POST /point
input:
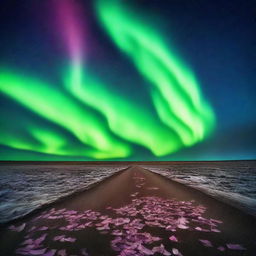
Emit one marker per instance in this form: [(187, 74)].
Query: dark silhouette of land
[(130, 163)]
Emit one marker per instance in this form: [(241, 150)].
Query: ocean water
[(25, 188), (231, 182)]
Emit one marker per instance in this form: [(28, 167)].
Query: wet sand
[(135, 212)]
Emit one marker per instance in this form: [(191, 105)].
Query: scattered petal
[(235, 247), (206, 243), (84, 252), (173, 238), (50, 253), (144, 250), (62, 252), (221, 248), (175, 251), (18, 228), (37, 252)]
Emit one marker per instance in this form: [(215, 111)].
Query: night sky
[(127, 80)]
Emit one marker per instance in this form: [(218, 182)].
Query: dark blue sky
[(216, 39)]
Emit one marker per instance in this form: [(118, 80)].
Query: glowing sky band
[(126, 119), (176, 93), (184, 117), (61, 109)]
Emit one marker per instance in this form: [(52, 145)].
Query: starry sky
[(127, 80)]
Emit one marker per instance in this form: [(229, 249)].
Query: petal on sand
[(173, 238), (67, 239), (176, 252), (235, 247), (217, 221), (39, 240), (42, 228), (37, 252), (50, 253), (144, 250), (181, 226), (215, 230), (206, 243), (62, 252), (56, 238), (221, 248), (18, 228), (28, 241), (161, 250), (70, 239), (84, 252)]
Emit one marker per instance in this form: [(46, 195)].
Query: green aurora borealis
[(184, 117)]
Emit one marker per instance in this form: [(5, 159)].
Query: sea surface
[(23, 188), (233, 182)]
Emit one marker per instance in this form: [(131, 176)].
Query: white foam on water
[(25, 188), (232, 183)]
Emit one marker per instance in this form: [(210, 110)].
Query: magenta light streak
[(71, 28)]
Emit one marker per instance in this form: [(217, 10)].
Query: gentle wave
[(232, 183), (26, 188)]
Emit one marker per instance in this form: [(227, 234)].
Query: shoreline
[(59, 200), (224, 200), (111, 163)]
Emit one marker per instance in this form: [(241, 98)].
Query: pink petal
[(39, 240), (144, 250), (70, 239), (235, 247), (56, 238), (221, 248), (117, 233), (181, 226), (84, 252), (175, 251), (50, 253), (161, 250), (31, 229), (62, 252), (173, 238), (28, 241), (37, 252), (215, 230), (217, 221), (22, 251), (42, 228), (71, 212), (18, 228), (206, 243)]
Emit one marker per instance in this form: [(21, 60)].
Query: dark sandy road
[(135, 212)]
